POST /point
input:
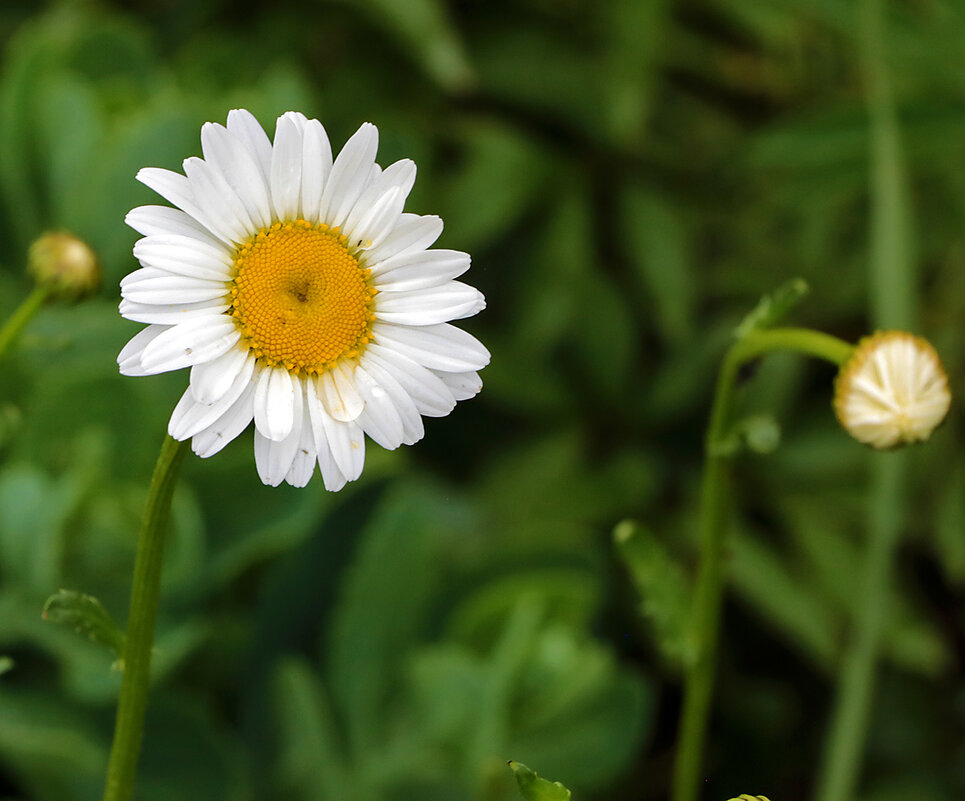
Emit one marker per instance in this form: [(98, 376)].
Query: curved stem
[(132, 703), (21, 317), (708, 593)]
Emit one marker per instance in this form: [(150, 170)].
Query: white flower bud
[(892, 391)]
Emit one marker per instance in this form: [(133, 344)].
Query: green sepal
[(772, 308), (85, 615), (533, 788), (663, 588)]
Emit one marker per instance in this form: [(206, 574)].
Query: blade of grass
[(892, 285)]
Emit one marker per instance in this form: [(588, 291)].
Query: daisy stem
[(21, 317), (708, 593), (129, 724)]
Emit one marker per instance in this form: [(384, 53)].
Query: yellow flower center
[(301, 298)]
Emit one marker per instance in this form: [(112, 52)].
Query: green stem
[(129, 725), (849, 720), (21, 317), (705, 616), (892, 283)]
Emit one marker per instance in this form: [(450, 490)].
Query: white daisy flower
[(301, 296), (892, 391)]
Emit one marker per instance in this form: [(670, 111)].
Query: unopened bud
[(64, 264), (892, 391)]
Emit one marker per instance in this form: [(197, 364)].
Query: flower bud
[(892, 391), (63, 264)]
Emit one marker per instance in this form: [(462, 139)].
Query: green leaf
[(33, 508), (533, 788), (663, 589), (52, 749), (660, 252), (951, 524), (86, 615), (501, 165), (791, 603), (579, 713), (773, 307), (637, 38), (6, 664), (381, 608), (426, 30), (311, 764)]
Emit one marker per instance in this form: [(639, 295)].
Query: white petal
[(377, 211), (159, 287), (298, 118), (462, 385), (413, 428), (176, 188), (274, 402), (243, 125), (286, 169), (235, 420), (170, 314), (451, 301), (163, 221), (129, 359), (306, 456), (184, 255), (419, 270), (430, 395), (210, 381), (379, 419), (350, 174), (347, 443), (219, 200), (438, 347), (377, 220), (238, 167), (316, 167), (332, 475), (193, 341), (338, 394), (191, 417), (274, 458), (411, 233)]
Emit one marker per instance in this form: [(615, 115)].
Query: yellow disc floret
[(301, 297)]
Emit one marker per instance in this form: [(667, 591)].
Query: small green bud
[(64, 264)]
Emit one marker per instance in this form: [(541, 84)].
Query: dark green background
[(629, 176)]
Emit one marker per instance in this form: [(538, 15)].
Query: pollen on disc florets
[(301, 297)]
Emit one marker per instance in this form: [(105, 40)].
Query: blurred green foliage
[(629, 177)]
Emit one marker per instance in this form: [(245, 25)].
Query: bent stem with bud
[(136, 659), (63, 267), (705, 616), (891, 390)]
